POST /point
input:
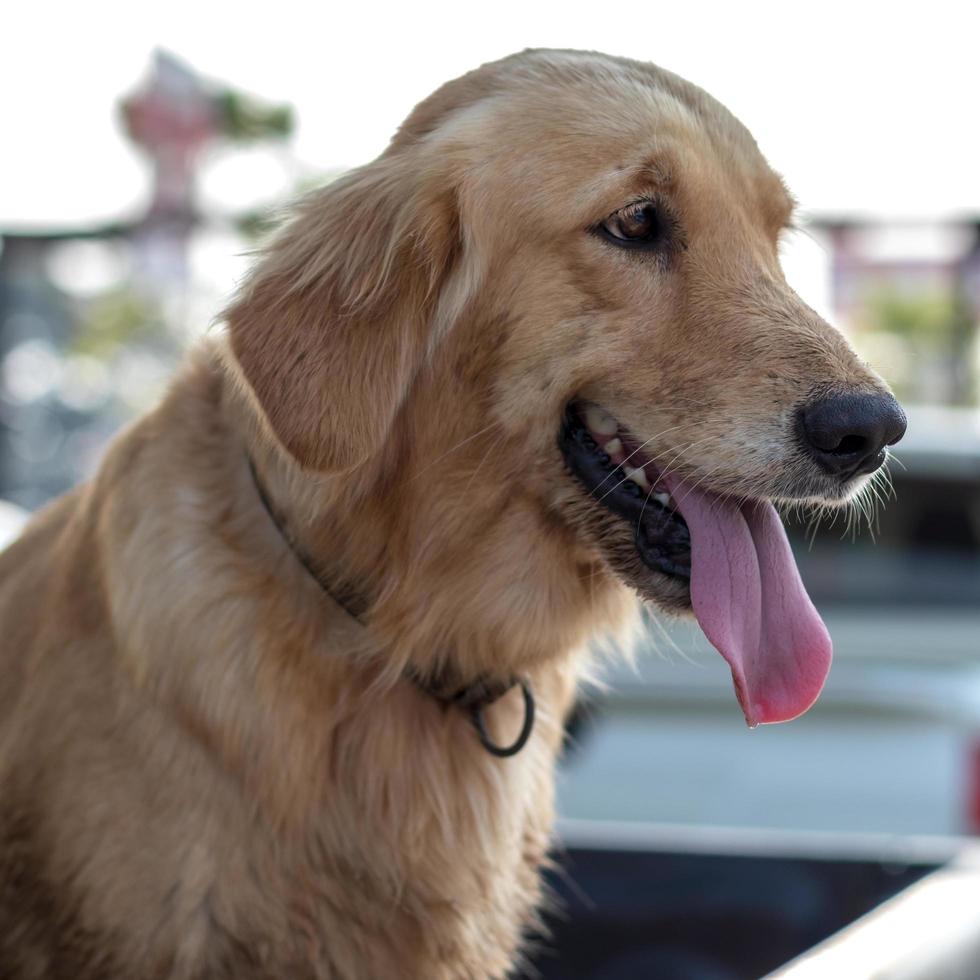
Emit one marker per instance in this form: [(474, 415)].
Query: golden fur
[(206, 768)]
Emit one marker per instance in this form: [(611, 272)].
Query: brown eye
[(637, 225)]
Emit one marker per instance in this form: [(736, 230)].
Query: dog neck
[(353, 604), (440, 542), (473, 697)]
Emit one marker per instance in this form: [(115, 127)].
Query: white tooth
[(663, 499), (600, 422), (638, 476), (613, 447)]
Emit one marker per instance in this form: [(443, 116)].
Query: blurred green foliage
[(244, 118), (926, 318), (116, 319), (935, 326)]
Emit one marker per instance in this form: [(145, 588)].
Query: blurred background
[(144, 155)]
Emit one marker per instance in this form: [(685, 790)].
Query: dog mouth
[(609, 462), (682, 546)]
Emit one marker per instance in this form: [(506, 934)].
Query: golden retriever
[(259, 674)]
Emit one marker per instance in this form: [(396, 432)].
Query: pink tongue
[(750, 602)]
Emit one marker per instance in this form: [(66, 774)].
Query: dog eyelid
[(630, 206), (652, 238)]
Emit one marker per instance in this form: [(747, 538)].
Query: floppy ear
[(332, 324)]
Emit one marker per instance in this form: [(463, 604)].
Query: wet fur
[(206, 770)]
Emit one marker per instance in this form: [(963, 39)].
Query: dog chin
[(833, 495), (664, 593)]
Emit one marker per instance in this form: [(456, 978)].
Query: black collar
[(473, 698)]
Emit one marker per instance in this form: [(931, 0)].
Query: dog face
[(641, 226), (583, 253)]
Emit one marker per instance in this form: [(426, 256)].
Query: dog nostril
[(846, 434), (850, 444)]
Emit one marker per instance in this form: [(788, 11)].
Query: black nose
[(847, 434)]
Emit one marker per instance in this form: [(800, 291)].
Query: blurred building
[(909, 294), (92, 320)]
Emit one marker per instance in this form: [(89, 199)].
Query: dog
[(285, 683)]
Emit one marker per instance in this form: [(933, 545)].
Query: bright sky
[(860, 105)]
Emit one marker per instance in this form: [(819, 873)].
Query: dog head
[(569, 263)]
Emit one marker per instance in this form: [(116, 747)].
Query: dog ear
[(333, 322)]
